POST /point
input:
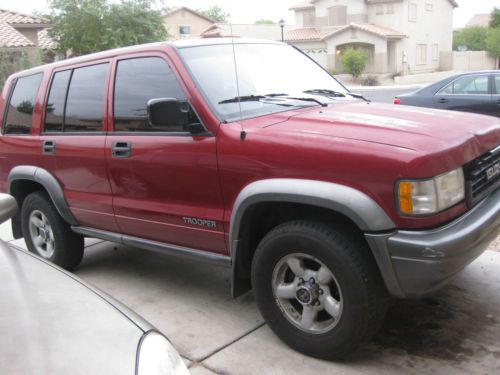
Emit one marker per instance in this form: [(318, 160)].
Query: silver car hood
[(52, 323)]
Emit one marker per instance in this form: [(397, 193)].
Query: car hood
[(419, 129), (52, 323)]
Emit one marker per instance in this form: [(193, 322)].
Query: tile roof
[(17, 18), (479, 20), (10, 37), (312, 33), (307, 4), (45, 41)]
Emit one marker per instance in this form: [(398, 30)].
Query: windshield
[(267, 74)]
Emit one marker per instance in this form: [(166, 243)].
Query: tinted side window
[(497, 83), (84, 106), (137, 81), (54, 111), (21, 105)]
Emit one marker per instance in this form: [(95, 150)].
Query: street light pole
[(282, 25)]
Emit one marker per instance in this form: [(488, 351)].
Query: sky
[(248, 11)]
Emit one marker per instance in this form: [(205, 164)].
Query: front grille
[(482, 176)]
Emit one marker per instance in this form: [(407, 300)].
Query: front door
[(164, 180), (470, 93)]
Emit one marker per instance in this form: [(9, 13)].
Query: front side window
[(85, 102), (22, 102), (137, 81), (469, 85)]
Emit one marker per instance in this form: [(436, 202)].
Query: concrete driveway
[(455, 331)]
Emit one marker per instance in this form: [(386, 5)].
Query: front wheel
[(47, 234), (318, 288)]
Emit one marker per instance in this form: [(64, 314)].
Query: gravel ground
[(495, 245)]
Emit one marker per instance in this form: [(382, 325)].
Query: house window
[(428, 6), (379, 9), (435, 52), (412, 12), (184, 31), (421, 54), (389, 9)]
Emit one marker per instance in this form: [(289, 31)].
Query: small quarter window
[(22, 102)]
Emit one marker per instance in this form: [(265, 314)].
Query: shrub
[(370, 81), (354, 61)]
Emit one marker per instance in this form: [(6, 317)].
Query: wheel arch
[(25, 179), (344, 204)]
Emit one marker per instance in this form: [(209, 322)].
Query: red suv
[(252, 156)]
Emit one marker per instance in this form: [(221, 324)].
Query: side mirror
[(8, 207), (168, 112)]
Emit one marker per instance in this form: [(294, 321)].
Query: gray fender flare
[(49, 182), (356, 205)]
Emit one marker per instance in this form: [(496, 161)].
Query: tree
[(215, 13), (265, 22), (354, 61), (493, 43), (85, 26), (472, 38), (495, 18)]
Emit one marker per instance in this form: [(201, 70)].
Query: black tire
[(363, 293), (68, 246)]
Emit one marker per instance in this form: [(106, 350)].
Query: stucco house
[(401, 36), (184, 22)]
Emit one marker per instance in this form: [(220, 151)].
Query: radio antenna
[(242, 132)]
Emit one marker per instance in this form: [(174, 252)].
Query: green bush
[(472, 38), (370, 81), (354, 61)]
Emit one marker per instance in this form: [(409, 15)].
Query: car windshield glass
[(262, 69)]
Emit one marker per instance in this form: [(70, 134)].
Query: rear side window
[(497, 83), (76, 100), (85, 103), (22, 102), (54, 112), (137, 81)]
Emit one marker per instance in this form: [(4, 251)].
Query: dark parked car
[(477, 92), (54, 323)]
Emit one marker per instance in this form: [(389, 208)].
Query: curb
[(387, 87)]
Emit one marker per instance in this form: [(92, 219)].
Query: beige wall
[(31, 34), (472, 60), (197, 24)]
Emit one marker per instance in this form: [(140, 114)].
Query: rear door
[(164, 179), (471, 93), (495, 98), (74, 133)]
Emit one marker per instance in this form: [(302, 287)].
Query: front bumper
[(416, 263)]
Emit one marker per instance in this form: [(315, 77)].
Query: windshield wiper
[(335, 94), (274, 97), (249, 98)]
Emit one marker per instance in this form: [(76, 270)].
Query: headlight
[(157, 356), (425, 197)]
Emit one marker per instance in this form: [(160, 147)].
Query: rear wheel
[(47, 234), (318, 289)]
